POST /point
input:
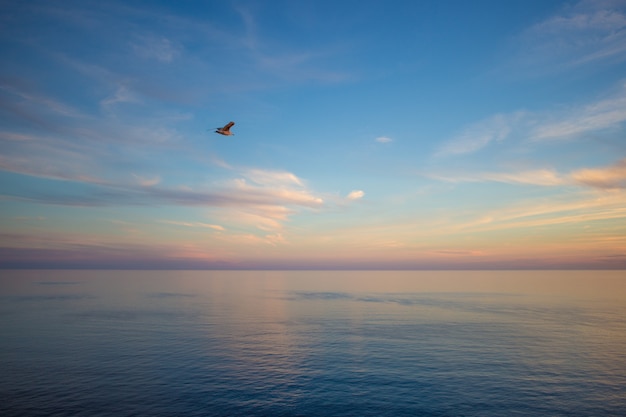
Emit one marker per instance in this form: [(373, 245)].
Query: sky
[(368, 134)]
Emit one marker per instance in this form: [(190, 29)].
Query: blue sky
[(369, 134)]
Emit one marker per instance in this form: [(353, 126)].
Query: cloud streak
[(576, 121), (572, 122), (261, 198), (194, 225), (589, 32), (104, 193), (535, 214), (542, 177), (606, 178)]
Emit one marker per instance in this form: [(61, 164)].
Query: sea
[(312, 343)]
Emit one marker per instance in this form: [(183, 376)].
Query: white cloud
[(265, 199), (270, 193), (355, 195), (383, 139)]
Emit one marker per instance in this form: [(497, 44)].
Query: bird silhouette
[(225, 130)]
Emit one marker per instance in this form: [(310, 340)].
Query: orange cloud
[(611, 177)]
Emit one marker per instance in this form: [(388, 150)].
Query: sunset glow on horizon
[(368, 135)]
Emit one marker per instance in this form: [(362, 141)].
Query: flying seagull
[(225, 130)]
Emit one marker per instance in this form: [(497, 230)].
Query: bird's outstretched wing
[(225, 130)]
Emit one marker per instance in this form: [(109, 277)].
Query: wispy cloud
[(147, 182), (263, 217), (194, 225), (281, 62), (266, 210), (121, 95), (384, 139), (609, 177), (543, 177), (589, 32), (19, 95), (478, 135), (54, 123), (265, 201), (578, 120), (154, 47), (564, 123), (586, 208), (259, 194)]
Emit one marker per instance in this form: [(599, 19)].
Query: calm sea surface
[(323, 343)]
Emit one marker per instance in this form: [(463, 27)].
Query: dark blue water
[(171, 343)]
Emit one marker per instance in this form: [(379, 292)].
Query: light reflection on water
[(312, 343)]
